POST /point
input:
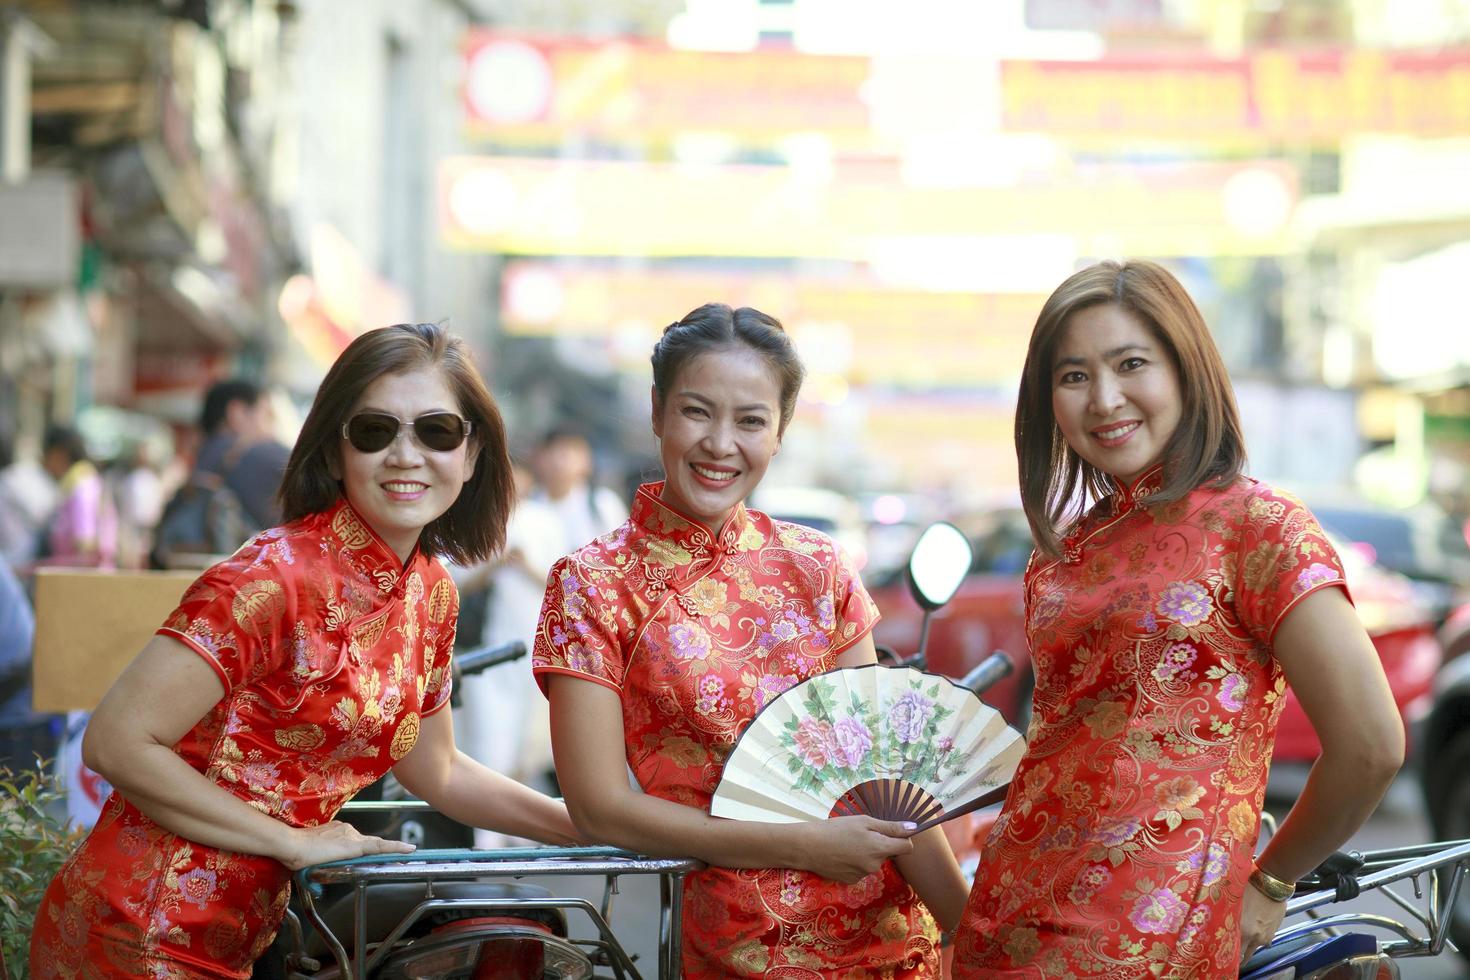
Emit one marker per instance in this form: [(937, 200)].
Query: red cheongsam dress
[(330, 651), (1127, 836), (695, 630)]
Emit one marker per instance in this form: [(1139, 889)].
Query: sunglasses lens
[(370, 433), (440, 431)]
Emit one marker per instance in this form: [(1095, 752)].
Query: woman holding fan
[(661, 640)]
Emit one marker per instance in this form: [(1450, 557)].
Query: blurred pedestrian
[(83, 528), (502, 718), (231, 492), (137, 487), (563, 465), (659, 643), (293, 674), (28, 497), (1165, 623), (26, 735)]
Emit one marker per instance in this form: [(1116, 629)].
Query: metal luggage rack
[(431, 866), (1439, 865)]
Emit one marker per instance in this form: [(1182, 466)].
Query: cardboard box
[(90, 624)]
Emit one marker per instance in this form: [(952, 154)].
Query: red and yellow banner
[(551, 93), (580, 207), (1271, 95), (544, 92)]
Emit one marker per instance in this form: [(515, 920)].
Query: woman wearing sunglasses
[(294, 673)]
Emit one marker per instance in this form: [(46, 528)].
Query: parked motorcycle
[(446, 911), (1350, 945)]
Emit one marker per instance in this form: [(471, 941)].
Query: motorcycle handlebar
[(989, 671), (483, 658)]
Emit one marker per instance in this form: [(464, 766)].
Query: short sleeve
[(235, 616), (439, 671), (576, 633), (1283, 557), (853, 611)]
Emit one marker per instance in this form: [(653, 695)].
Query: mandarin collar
[(369, 551), (1121, 502), (1136, 494), (657, 517)]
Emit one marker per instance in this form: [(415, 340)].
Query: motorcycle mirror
[(938, 564)]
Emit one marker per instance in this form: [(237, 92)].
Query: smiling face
[(718, 429), (400, 489), (1115, 391)]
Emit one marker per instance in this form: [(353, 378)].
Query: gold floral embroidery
[(750, 958), (667, 554), (706, 598), (1261, 565), (750, 539)]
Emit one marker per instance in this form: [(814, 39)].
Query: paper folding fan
[(895, 743)]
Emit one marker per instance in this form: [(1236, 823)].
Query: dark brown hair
[(473, 528), (715, 326), (1057, 485)]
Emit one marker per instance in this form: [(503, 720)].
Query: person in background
[(1169, 603), (503, 719), (238, 424), (26, 735), (83, 529), (659, 643), (231, 492), (292, 674), (27, 501), (563, 468), (138, 491)]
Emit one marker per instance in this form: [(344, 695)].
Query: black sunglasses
[(371, 432)]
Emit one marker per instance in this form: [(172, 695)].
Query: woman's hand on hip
[(334, 841), (1260, 917), (848, 849)]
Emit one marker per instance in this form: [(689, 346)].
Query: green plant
[(34, 842)]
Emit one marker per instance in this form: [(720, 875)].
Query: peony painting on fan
[(895, 743)]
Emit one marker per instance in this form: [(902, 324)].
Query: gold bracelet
[(1269, 885)]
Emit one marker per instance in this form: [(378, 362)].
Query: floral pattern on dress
[(330, 651), (696, 629), (1124, 844)]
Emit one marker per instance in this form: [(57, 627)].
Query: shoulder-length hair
[(1057, 485), (473, 528)]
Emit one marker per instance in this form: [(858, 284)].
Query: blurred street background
[(200, 190)]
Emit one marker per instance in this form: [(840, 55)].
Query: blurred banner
[(542, 92), (859, 213), (1267, 96), (849, 326)]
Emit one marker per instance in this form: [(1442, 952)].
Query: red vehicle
[(986, 614)]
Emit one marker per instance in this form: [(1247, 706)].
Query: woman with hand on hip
[(294, 673), (661, 640), (1165, 622)]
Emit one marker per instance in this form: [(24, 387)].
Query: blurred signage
[(1268, 95), (40, 235), (549, 93), (542, 92), (569, 207), (1091, 15), (849, 326)]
